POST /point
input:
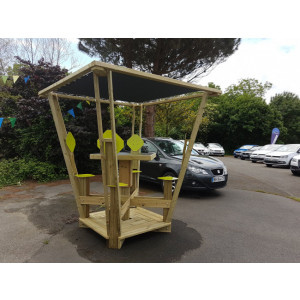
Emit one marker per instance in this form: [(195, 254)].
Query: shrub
[(13, 171)]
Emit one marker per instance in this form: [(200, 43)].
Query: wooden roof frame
[(102, 69)]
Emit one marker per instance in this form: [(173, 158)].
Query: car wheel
[(268, 165), (242, 158), (253, 161), (295, 173), (234, 156), (173, 181)]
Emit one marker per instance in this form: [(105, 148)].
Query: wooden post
[(115, 197), (100, 134), (133, 120), (187, 155), (141, 121), (69, 160), (84, 190)]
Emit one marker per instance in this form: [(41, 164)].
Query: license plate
[(218, 179)]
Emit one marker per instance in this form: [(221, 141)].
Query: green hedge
[(14, 171)]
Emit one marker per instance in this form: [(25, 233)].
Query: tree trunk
[(149, 121)]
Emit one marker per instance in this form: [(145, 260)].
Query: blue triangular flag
[(26, 79), (71, 112), (1, 120)]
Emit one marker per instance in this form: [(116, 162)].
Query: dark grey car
[(203, 172)]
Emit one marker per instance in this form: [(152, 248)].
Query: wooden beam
[(80, 98), (187, 155), (133, 120), (115, 199), (141, 121), (71, 167), (150, 202), (55, 86), (92, 199), (100, 135), (174, 99)]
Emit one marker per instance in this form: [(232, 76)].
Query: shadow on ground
[(59, 216), (151, 247)]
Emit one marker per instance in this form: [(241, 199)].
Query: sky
[(266, 59)]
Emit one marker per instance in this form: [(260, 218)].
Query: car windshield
[(214, 145), (199, 145), (289, 148), (172, 147), (246, 147), (271, 147), (256, 148)]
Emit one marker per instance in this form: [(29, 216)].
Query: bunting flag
[(1, 120), (79, 105), (12, 121), (71, 112), (26, 78), (15, 78), (88, 102), (4, 78)]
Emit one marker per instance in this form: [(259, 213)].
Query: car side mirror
[(157, 156)]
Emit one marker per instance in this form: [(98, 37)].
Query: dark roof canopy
[(128, 85)]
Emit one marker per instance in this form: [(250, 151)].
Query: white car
[(282, 156), (201, 149), (259, 155), (295, 165), (215, 149)]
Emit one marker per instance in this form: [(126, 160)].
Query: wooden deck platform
[(141, 221)]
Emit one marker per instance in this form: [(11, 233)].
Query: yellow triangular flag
[(15, 78)]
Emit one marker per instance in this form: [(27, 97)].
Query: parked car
[(200, 148), (259, 155), (282, 156), (237, 152), (295, 165), (202, 172), (215, 149), (246, 154)]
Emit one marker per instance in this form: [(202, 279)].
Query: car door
[(151, 169)]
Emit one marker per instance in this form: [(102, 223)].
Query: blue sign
[(275, 135)]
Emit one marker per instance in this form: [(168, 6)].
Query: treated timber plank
[(93, 200), (142, 227), (186, 159), (115, 196), (150, 202), (68, 155), (128, 156), (149, 214), (96, 225), (100, 134)]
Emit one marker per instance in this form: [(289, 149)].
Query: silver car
[(259, 155), (295, 165), (215, 149), (282, 156)]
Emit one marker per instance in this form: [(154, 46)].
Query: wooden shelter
[(126, 212)]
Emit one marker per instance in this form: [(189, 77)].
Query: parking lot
[(252, 219)]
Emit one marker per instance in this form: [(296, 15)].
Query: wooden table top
[(128, 156)]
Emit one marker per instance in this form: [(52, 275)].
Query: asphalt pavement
[(252, 219)]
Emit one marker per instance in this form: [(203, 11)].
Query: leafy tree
[(241, 116), (175, 58), (288, 105)]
